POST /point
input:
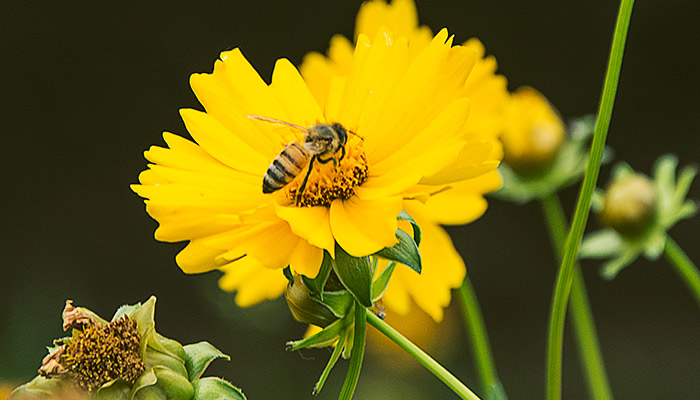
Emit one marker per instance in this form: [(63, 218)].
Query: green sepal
[(338, 303), (406, 252), (126, 309), (174, 384), (380, 284), (145, 387), (145, 317), (317, 284), (161, 382), (404, 216), (287, 272), (215, 389), (655, 244), (198, 356), (41, 388), (156, 354), (325, 338), (349, 341), (117, 389), (601, 244), (610, 269), (331, 363), (355, 273)]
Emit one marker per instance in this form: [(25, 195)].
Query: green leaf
[(317, 284), (324, 338), (406, 252), (331, 363), (216, 389), (198, 356), (355, 274), (380, 284), (403, 216)]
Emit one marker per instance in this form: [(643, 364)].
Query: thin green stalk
[(428, 362), (474, 323), (565, 276), (358, 353), (685, 268), (581, 315)]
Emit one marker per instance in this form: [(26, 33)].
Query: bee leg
[(300, 192), (342, 154)]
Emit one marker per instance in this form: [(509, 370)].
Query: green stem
[(685, 268), (565, 276), (358, 353), (581, 315), (474, 323), (431, 365)]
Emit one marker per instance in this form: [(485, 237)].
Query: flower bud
[(304, 307), (630, 205), (533, 133)]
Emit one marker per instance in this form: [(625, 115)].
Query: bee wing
[(275, 121)]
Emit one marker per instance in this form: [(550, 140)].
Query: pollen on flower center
[(101, 353), (328, 181)]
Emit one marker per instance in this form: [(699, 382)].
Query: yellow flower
[(534, 132), (464, 202), (405, 108)]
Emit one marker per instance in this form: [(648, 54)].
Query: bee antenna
[(275, 121), (354, 133)]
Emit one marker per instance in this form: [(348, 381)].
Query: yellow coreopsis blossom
[(405, 109), (464, 201)]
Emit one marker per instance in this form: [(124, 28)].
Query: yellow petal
[(197, 257), (253, 282), (310, 223), (464, 201), (364, 227), (306, 259), (223, 144), (294, 95), (257, 241)]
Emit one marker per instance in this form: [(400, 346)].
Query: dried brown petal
[(73, 318), (51, 366)]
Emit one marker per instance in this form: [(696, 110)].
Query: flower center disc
[(328, 182)]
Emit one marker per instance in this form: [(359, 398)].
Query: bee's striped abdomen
[(286, 166)]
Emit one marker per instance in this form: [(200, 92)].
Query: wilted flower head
[(124, 359)]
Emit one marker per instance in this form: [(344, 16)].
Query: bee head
[(342, 134)]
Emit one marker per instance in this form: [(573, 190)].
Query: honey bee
[(321, 143)]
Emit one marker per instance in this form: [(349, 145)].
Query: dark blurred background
[(86, 86)]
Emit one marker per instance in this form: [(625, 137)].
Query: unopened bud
[(304, 307), (533, 134), (630, 205)]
